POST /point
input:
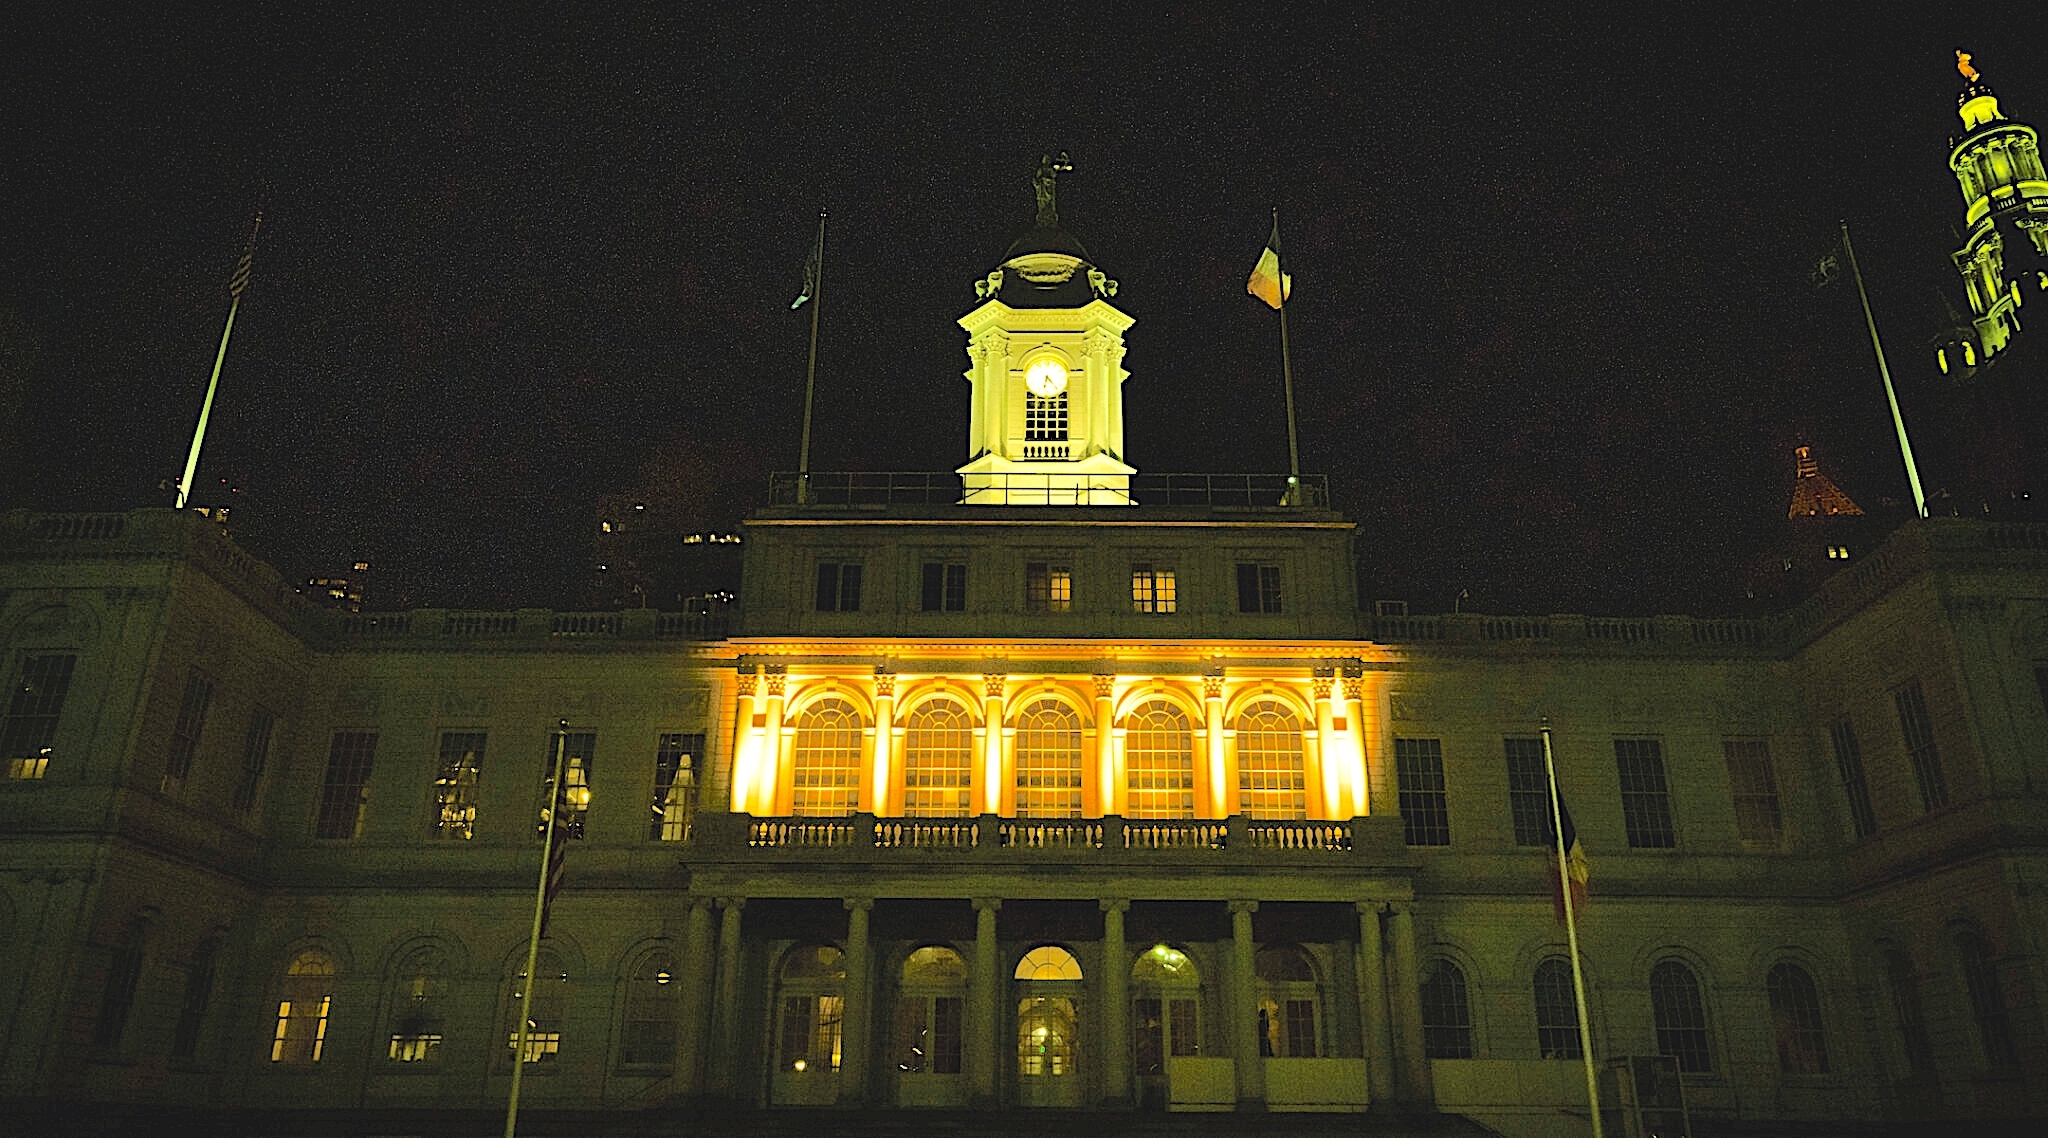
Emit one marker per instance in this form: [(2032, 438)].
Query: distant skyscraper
[(341, 589)]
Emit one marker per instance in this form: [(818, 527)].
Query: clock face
[(1046, 378)]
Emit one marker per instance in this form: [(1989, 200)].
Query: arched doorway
[(809, 1006), (1048, 1028), (1166, 1019), (926, 1044)]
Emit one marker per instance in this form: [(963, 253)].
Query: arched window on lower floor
[(1166, 1005), (544, 1016), (303, 1003), (647, 1036), (813, 980), (1795, 1020), (1987, 999), (1287, 1003), (419, 990), (1557, 1011), (931, 998), (938, 758), (1048, 1012), (1048, 761), (1681, 1016), (1908, 1013), (1446, 1011), (825, 761), (1270, 783)]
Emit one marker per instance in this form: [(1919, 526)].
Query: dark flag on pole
[(810, 288), (240, 280), (1577, 869), (1828, 269), (1268, 282), (564, 809)]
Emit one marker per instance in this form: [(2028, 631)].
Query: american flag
[(240, 280)]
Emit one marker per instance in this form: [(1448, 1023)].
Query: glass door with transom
[(1165, 1020), (931, 995), (809, 1005), (1048, 1028)]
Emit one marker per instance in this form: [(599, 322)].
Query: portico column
[(726, 1079), (880, 795), (1354, 715), (1108, 787), (1372, 1005), (1410, 1053), (1323, 776), (992, 744), (984, 987), (695, 997), (777, 794), (748, 754), (1243, 1004), (856, 1034), (1221, 799), (1116, 1006)]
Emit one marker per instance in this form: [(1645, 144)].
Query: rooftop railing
[(990, 836), (946, 488)]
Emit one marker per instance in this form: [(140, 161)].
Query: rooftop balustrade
[(864, 837), (867, 489)]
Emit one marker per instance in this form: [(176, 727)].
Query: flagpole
[(1287, 374), (803, 462), (235, 287), (1571, 932), (540, 901), (1891, 397)]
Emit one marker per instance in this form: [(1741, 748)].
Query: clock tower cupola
[(1045, 346)]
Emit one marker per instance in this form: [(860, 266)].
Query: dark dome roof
[(1048, 241)]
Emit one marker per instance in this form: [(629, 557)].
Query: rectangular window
[(839, 586), (255, 756), (1152, 588), (577, 749), (345, 792), (31, 725), (1419, 770), (945, 586), (1048, 587), (1849, 767), (1258, 587), (1045, 419), (1758, 818), (1528, 792), (185, 732), (1919, 736), (675, 786), (124, 972), (455, 790), (192, 1009), (1645, 796)]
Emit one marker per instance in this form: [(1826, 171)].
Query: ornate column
[(1405, 997), (777, 793), (1322, 774), (1360, 797), (1244, 1009), (1116, 1006), (992, 744), (1108, 787), (1378, 1045), (880, 795), (857, 1032), (1221, 799), (984, 987), (724, 1078), (695, 997), (748, 743)]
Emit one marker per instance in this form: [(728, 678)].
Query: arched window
[(1047, 1021), (1908, 1013), (1987, 999), (1557, 1011), (1159, 761), (544, 1017), (419, 989), (1165, 1009), (813, 978), (648, 1032), (1446, 1012), (302, 1007), (938, 754), (1287, 1003), (1270, 783), (1048, 761), (931, 998), (1795, 1020), (1048, 962), (117, 997), (1681, 1016), (827, 759)]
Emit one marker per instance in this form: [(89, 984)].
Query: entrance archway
[(1048, 1028), (927, 1046), (1166, 1024), (809, 1007)]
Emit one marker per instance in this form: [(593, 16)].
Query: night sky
[(1554, 336)]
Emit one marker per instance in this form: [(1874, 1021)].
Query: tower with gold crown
[(1997, 164), (1046, 347)]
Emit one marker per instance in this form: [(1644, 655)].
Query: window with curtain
[(304, 1002), (1795, 1020), (544, 1018), (418, 998), (1288, 999)]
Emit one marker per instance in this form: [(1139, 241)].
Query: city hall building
[(1048, 783)]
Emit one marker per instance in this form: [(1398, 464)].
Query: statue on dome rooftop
[(1049, 171)]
